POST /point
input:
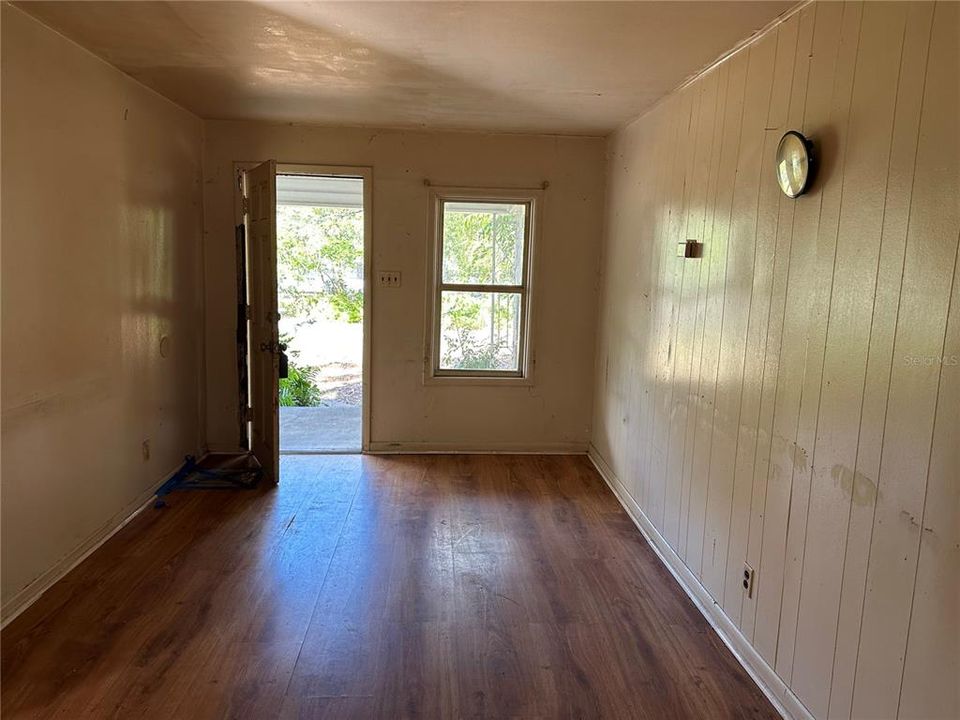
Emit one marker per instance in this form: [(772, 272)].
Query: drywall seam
[(777, 692), (27, 596)]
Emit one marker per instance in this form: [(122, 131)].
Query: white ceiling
[(564, 67)]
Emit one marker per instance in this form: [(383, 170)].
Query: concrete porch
[(335, 427)]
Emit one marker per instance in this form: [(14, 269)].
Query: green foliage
[(319, 250), (347, 304), (482, 243), (478, 332), (299, 388)]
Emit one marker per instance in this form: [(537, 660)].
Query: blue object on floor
[(215, 471)]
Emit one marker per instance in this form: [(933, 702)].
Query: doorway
[(322, 232)]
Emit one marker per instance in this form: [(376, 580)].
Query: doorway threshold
[(335, 451)]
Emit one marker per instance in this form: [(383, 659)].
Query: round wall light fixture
[(795, 164)]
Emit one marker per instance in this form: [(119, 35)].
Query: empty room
[(447, 360)]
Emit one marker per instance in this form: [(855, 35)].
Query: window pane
[(480, 331), (483, 242)]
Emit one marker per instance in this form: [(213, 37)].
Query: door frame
[(365, 173)]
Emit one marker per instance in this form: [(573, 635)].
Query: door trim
[(365, 172)]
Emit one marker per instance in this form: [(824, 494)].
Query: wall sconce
[(795, 164)]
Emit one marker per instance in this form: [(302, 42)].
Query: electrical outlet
[(145, 449), (748, 577), (389, 278)]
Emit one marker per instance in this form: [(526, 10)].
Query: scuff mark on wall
[(862, 489)]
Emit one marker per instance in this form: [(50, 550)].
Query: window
[(481, 284)]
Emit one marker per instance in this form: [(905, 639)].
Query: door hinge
[(248, 413), (246, 311), (245, 205)]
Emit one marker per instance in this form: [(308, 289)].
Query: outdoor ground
[(328, 428), (335, 349)]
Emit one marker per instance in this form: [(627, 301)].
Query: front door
[(260, 216)]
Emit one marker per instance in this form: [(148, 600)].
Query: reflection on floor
[(377, 587), (328, 428)]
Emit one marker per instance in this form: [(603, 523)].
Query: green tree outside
[(319, 251), (482, 244)]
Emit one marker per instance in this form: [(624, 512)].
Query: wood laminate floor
[(377, 587)]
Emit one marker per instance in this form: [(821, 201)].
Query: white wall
[(101, 259), (552, 414), (792, 399)]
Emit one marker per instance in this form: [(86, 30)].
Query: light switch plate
[(389, 278)]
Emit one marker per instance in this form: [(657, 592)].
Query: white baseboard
[(32, 592), (782, 698), (426, 448)]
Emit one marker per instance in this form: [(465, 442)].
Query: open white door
[(260, 216)]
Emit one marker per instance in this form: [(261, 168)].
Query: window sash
[(522, 290), (512, 290)]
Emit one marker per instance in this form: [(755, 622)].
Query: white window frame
[(433, 373)]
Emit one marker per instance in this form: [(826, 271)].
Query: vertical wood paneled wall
[(791, 400)]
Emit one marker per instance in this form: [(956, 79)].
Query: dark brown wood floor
[(364, 587)]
